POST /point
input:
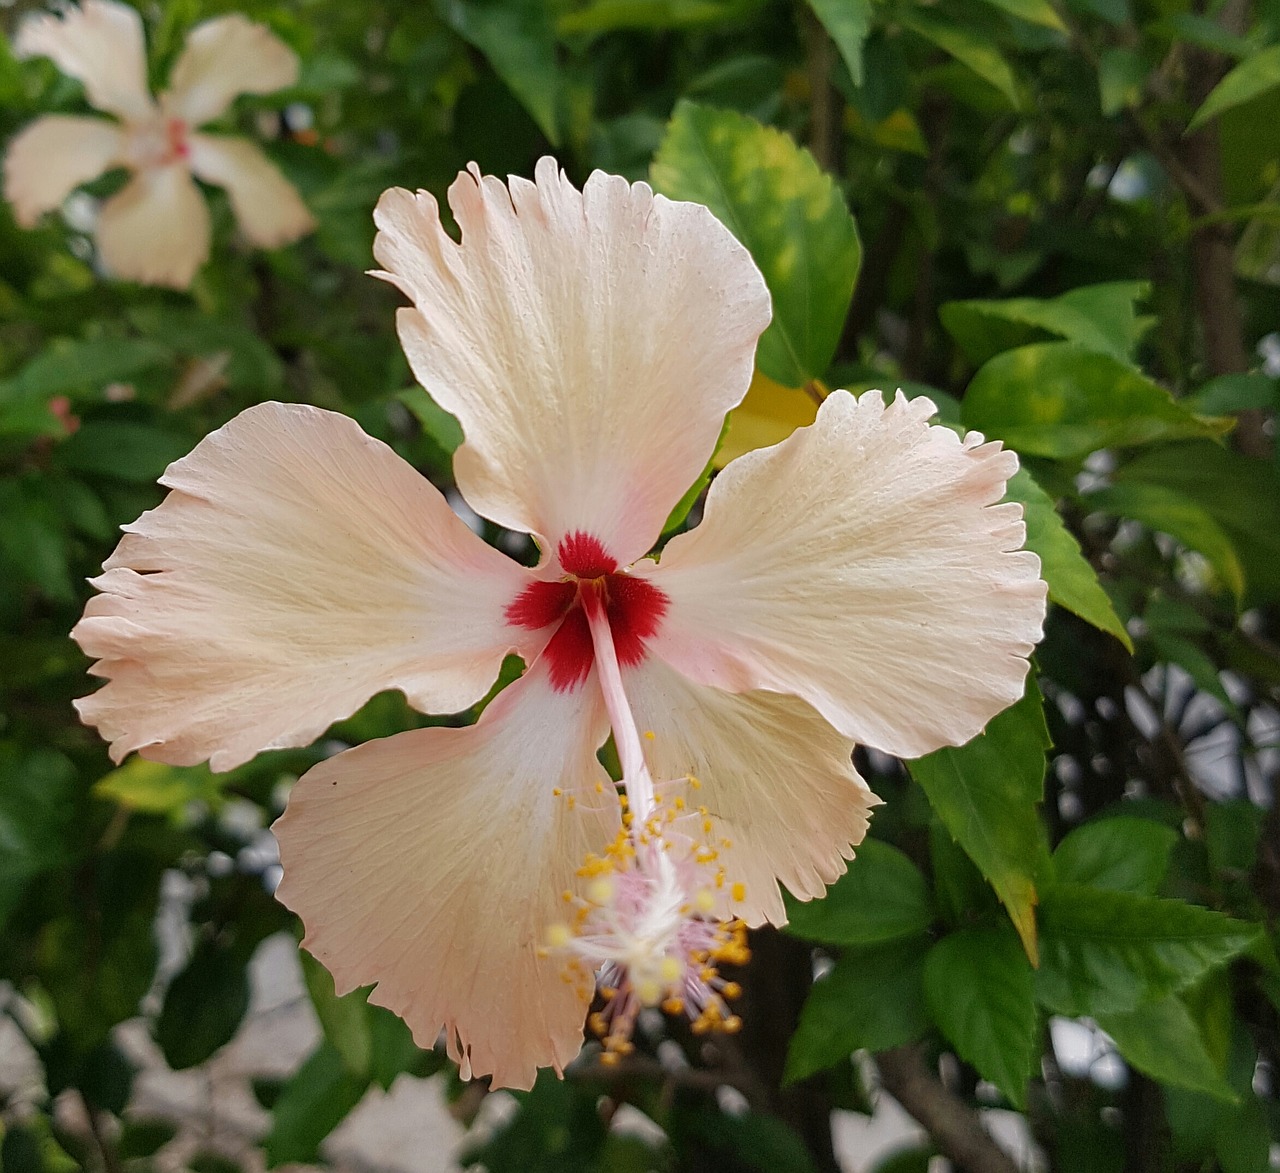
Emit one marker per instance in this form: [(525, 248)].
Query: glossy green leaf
[(518, 39), (1060, 400), (1241, 495), (1039, 12), (1254, 76), (1101, 318), (604, 16), (872, 998), (1104, 952), (847, 23), (1073, 583), (1121, 854), (203, 1006), (882, 897), (985, 793), (158, 789), (1169, 512), (977, 983), (1229, 393), (312, 1103), (775, 199), (442, 427), (967, 45), (1162, 1040), (74, 367)]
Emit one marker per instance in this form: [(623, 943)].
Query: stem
[(955, 1127), (636, 779)]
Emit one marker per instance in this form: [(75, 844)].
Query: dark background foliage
[(1066, 233)]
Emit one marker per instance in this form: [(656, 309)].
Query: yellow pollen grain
[(558, 936), (600, 890), (731, 990), (738, 891), (556, 792), (649, 734), (648, 991), (705, 901), (670, 970), (674, 1006)]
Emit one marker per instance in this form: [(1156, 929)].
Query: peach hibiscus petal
[(267, 206), (223, 58), (155, 230), (52, 157), (865, 565), (296, 568), (433, 862), (589, 342), (776, 778), (101, 44)]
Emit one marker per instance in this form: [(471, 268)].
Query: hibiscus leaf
[(1061, 400), (1110, 952), (872, 998), (978, 985), (1252, 77), (518, 39), (313, 1102), (985, 792), (1163, 1040), (882, 897), (1073, 584), (847, 23), (1121, 854), (772, 195)]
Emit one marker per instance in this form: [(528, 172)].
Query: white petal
[(432, 863), (268, 208), (223, 58), (155, 230), (101, 45), (297, 567), (589, 342), (777, 779), (864, 565), (52, 157)]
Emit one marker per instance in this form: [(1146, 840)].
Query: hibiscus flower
[(858, 583), (156, 228)]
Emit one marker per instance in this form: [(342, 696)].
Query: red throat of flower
[(634, 608)]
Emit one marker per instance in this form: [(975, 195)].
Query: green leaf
[(36, 805), (1241, 495), (123, 449), (519, 41), (203, 1006), (1253, 76), (442, 427), (1162, 1040), (603, 16), (847, 23), (314, 1101), (1169, 512), (1231, 393), (968, 46), (790, 215), (1231, 834), (70, 367), (1060, 400), (1073, 584), (978, 985), (1121, 854), (1109, 952), (986, 793), (882, 897), (1101, 318), (872, 998), (1039, 12), (344, 1020), (1122, 74), (157, 789)]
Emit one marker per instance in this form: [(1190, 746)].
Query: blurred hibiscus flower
[(858, 582), (156, 228)]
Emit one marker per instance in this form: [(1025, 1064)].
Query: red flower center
[(634, 605)]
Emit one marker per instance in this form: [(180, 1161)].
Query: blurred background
[(1058, 219)]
